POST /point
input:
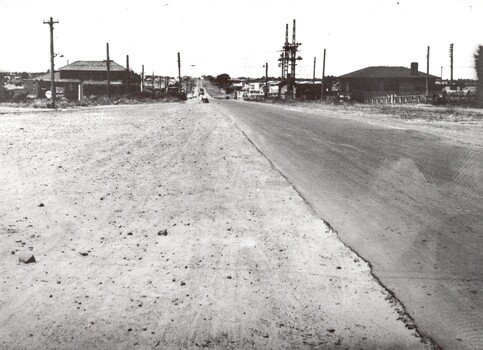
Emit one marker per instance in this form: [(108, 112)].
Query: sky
[(240, 37)]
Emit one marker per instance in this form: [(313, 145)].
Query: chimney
[(414, 69)]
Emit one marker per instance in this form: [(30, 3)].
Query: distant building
[(83, 78), (380, 81), (307, 89)]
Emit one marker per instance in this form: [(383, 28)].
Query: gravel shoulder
[(460, 125), (161, 226)]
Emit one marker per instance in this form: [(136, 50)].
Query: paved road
[(408, 202)]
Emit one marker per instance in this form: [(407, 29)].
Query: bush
[(177, 95), (143, 94)]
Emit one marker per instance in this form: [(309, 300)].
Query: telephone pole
[(451, 60), (323, 79), (142, 79), (108, 71), (427, 75), (313, 75), (266, 80), (52, 55), (179, 72), (284, 56), (127, 74)]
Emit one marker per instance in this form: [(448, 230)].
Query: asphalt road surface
[(407, 201)]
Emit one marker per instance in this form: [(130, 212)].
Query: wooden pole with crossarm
[(52, 55)]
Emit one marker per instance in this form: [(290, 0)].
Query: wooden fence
[(395, 99), (461, 99)]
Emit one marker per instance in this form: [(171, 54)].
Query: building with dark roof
[(83, 78), (93, 71), (380, 81)]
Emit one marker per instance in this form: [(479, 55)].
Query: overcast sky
[(238, 37)]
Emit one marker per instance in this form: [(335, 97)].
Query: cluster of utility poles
[(289, 55), (288, 58)]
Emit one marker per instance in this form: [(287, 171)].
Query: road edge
[(404, 315)]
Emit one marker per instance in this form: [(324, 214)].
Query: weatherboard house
[(83, 78), (382, 80)]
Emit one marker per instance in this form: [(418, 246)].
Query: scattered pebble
[(27, 259)]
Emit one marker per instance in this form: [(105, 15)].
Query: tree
[(479, 75), (223, 80)]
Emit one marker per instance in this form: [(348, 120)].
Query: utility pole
[(286, 53), (179, 72), (266, 80), (108, 64), (293, 53), (127, 74), (282, 64), (323, 79), (451, 46), (52, 55), (142, 79), (313, 75), (427, 75), (284, 56), (441, 74)]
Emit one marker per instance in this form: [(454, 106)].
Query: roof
[(385, 72), (46, 77), (92, 66)]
